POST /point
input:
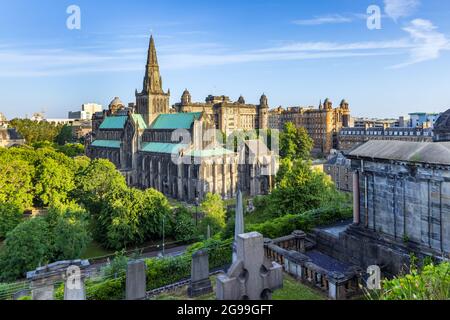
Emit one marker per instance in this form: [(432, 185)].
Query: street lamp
[(196, 211), (163, 235)]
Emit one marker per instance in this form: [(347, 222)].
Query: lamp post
[(196, 211), (163, 235)]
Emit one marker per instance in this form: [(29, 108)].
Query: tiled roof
[(169, 148), (115, 144), (176, 120), (140, 121), (114, 122)]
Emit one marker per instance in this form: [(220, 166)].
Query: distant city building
[(422, 119), (323, 124), (350, 138), (338, 167), (228, 116), (9, 137), (86, 112), (3, 120), (375, 123), (442, 127)]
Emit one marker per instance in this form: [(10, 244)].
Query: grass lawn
[(95, 250), (292, 290)]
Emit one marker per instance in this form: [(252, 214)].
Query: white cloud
[(428, 42), (328, 19), (396, 9)]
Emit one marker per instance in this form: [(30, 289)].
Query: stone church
[(177, 153)]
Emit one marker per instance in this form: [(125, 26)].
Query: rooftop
[(175, 121), (420, 152), (114, 123)]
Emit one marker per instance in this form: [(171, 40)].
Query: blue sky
[(296, 51)]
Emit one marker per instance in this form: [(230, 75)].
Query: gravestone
[(200, 283), (250, 277), (43, 280), (136, 283), (239, 222)]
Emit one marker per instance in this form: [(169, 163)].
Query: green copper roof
[(106, 144), (157, 147), (140, 121), (210, 152), (114, 122), (176, 120)]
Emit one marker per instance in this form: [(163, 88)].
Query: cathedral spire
[(152, 79), (152, 59)]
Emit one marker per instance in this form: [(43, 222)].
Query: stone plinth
[(136, 283), (200, 283)]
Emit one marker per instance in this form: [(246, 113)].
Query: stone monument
[(136, 283), (239, 222), (200, 283), (43, 280), (250, 277)]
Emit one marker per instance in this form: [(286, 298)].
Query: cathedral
[(175, 150)]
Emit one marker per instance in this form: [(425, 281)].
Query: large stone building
[(323, 124), (228, 116), (349, 138), (169, 151)]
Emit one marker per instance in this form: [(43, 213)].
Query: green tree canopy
[(299, 188), (54, 182), (34, 131), (97, 182), (213, 208), (25, 248), (10, 217), (295, 143), (16, 181)]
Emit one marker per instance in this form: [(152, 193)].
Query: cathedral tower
[(152, 100)]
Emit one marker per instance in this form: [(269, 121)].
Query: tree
[(132, 218), (295, 143), (34, 131), (71, 149), (97, 182), (64, 136), (213, 208), (299, 188), (54, 182), (25, 248), (183, 225), (71, 238), (16, 181), (10, 217)]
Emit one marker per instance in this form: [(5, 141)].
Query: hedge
[(285, 225)]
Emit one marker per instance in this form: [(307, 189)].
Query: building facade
[(227, 115), (350, 138), (323, 124), (338, 167), (155, 147)]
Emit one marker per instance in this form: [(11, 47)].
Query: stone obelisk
[(239, 222)]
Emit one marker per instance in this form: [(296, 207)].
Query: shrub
[(306, 221), (26, 247), (431, 283)]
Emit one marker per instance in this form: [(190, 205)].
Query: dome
[(241, 100), (442, 127), (186, 98), (116, 103)]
